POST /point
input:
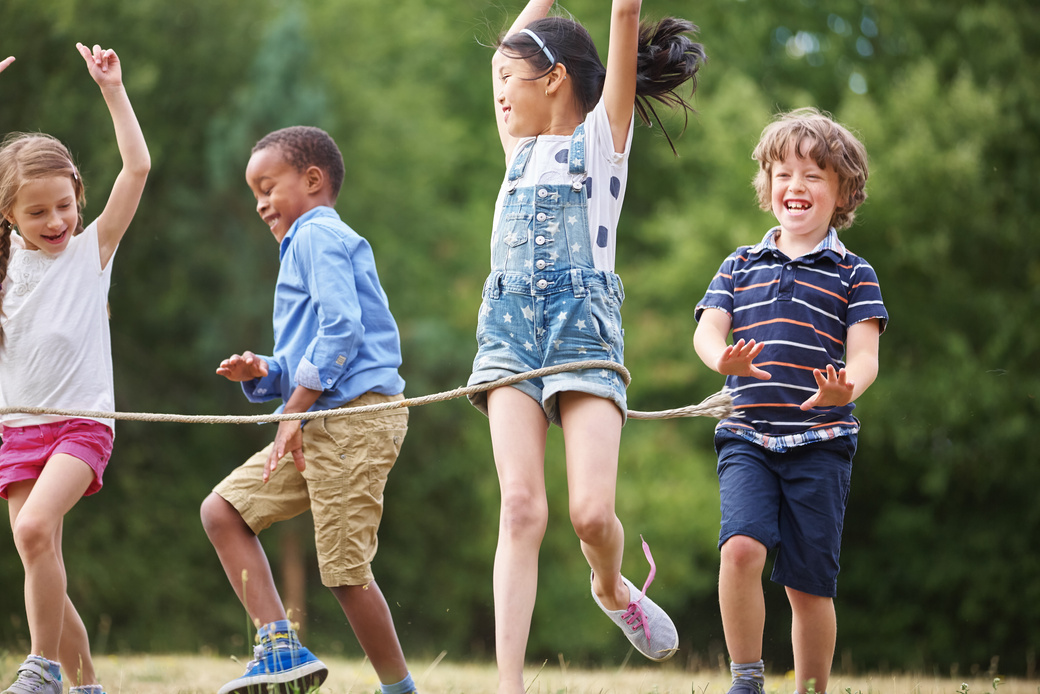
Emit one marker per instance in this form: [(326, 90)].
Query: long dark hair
[(668, 58)]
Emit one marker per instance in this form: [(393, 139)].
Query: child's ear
[(556, 77), (315, 179)]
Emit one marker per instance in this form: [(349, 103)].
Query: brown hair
[(817, 136), (27, 157)]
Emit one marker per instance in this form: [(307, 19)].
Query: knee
[(33, 536), (744, 553), (523, 515), (218, 515), (593, 524)]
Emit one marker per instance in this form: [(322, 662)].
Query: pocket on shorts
[(605, 313), (368, 447)]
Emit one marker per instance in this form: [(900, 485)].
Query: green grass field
[(191, 674)]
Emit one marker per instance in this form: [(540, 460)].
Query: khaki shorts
[(348, 461)]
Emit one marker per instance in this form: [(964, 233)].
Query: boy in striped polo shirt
[(805, 314)]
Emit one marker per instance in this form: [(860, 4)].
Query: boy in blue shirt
[(336, 344), (805, 314)]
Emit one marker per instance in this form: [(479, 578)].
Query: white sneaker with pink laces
[(645, 624)]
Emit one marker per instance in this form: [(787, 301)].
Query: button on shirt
[(333, 330)]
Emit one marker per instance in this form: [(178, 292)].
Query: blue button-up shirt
[(333, 330)]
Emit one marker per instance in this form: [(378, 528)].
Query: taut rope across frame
[(719, 405)]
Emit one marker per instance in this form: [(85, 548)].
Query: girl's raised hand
[(103, 65), (5, 62)]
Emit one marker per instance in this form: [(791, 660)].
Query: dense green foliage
[(940, 567)]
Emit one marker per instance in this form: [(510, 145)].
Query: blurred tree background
[(940, 564)]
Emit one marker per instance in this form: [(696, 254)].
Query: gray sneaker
[(34, 678), (645, 624)]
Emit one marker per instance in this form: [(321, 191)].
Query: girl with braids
[(566, 122), (55, 352)]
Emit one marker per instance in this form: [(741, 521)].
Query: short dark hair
[(307, 146)]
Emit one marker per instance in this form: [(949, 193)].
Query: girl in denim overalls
[(552, 298)]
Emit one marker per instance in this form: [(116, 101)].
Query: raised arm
[(105, 68), (535, 9), (619, 88)]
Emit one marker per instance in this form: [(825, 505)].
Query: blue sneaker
[(281, 670)]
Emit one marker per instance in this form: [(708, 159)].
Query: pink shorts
[(26, 450)]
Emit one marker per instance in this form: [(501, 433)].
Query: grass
[(191, 674)]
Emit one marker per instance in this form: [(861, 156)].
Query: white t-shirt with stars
[(607, 178)]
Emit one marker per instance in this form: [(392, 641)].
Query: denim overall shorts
[(545, 303)]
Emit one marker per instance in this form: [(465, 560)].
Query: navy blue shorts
[(794, 501)]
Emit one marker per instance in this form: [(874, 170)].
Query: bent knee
[(593, 525), (217, 514), (34, 535)]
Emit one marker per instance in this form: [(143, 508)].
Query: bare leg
[(518, 430), (741, 599), (592, 437), (243, 559), (814, 629), (37, 509), (75, 649), (369, 617)]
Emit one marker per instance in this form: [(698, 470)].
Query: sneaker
[(645, 624), (746, 687), (282, 670), (34, 678)]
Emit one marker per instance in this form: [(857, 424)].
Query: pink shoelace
[(634, 616)]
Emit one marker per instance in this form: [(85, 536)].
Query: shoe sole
[(299, 680)]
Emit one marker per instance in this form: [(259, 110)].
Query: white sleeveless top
[(56, 349)]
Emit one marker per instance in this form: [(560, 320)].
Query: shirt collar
[(830, 243), (313, 213)]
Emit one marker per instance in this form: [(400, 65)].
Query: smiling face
[(46, 213), (519, 96), (804, 197), (282, 192)]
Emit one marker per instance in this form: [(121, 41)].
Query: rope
[(719, 405)]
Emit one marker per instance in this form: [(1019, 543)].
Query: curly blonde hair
[(817, 136)]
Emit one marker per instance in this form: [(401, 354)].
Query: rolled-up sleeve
[(266, 388)]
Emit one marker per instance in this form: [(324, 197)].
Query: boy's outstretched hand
[(242, 367), (5, 62), (835, 389), (103, 65), (736, 360)]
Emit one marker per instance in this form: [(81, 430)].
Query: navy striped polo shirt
[(801, 310)]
